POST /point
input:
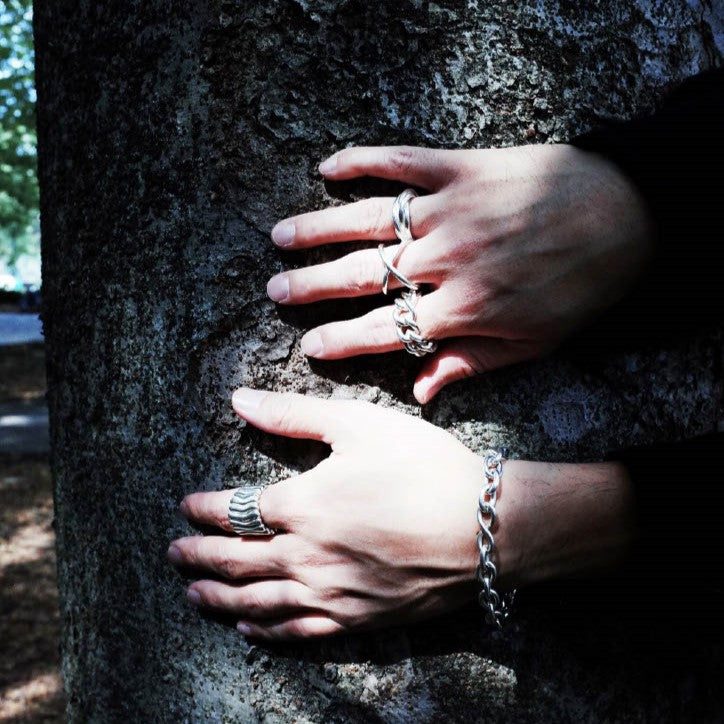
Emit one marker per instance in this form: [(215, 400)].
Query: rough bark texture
[(172, 136)]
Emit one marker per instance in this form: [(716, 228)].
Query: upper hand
[(520, 246)]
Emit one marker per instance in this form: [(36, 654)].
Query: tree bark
[(172, 136)]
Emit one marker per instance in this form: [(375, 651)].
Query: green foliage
[(18, 178)]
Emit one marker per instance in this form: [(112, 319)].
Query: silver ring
[(401, 215), (401, 223), (408, 331), (244, 515), (395, 273)]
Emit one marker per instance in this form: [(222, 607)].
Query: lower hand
[(384, 530), (521, 246)]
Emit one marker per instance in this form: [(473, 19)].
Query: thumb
[(468, 357)]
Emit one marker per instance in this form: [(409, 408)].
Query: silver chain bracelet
[(497, 608)]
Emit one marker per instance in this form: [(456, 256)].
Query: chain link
[(497, 608), (408, 330)]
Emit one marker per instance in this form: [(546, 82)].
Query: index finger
[(429, 168), (290, 414)]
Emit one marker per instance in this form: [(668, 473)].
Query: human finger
[(235, 557), (290, 414), (263, 599), (310, 625), (374, 332), (366, 219), (429, 168), (466, 358), (276, 506), (354, 275)]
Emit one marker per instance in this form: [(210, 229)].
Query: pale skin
[(519, 247), (380, 534)]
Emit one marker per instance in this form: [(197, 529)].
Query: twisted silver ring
[(407, 329), (244, 515), (401, 222), (391, 269)]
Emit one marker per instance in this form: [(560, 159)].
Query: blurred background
[(30, 686)]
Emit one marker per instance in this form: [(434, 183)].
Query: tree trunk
[(172, 137)]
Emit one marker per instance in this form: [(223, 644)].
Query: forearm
[(562, 519)]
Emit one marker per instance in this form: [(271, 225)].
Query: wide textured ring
[(401, 223), (408, 331), (244, 515)]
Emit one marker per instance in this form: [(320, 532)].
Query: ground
[(30, 684)]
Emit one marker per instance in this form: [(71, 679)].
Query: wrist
[(495, 604), (561, 519)]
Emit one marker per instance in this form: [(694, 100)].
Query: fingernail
[(243, 629), (329, 166), (245, 399), (312, 344), (278, 288), (184, 508), (194, 596), (283, 233), (174, 554)]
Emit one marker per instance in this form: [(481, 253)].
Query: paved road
[(20, 328), (23, 424), (23, 428)]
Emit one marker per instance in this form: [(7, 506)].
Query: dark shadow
[(29, 617), (600, 635)]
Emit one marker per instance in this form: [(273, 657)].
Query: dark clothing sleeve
[(679, 493), (676, 160)]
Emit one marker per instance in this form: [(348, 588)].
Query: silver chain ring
[(407, 329)]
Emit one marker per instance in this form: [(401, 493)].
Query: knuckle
[(431, 322), (221, 519), (190, 551), (381, 330), (330, 593), (304, 284), (399, 158), (283, 501), (225, 565), (312, 225), (253, 604), (303, 560), (279, 412), (344, 157), (377, 219), (362, 274), (209, 597), (305, 225), (191, 505), (299, 628)]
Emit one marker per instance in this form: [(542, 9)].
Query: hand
[(520, 246), (384, 530)]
